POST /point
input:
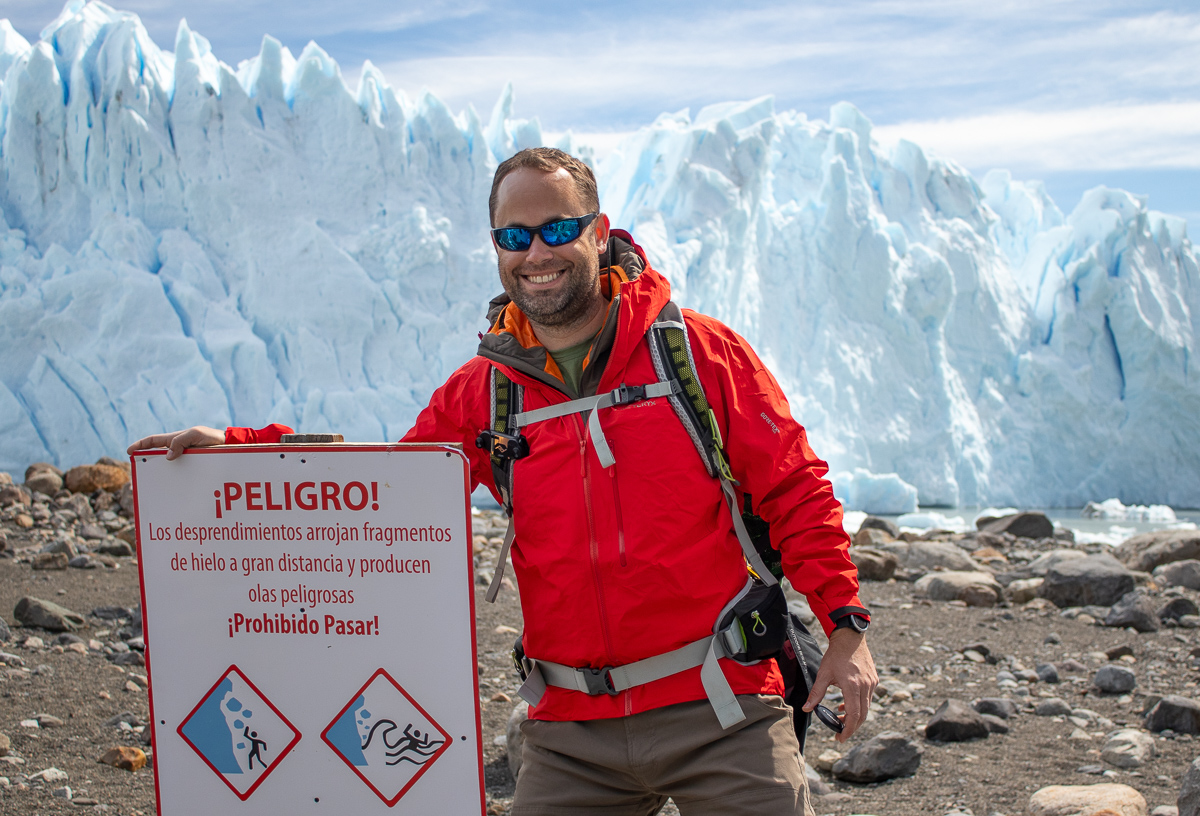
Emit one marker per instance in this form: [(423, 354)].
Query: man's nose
[(538, 249)]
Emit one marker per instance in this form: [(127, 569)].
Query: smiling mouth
[(546, 278)]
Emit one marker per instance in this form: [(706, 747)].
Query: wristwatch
[(850, 620)]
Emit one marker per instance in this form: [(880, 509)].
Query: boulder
[(924, 556), (1128, 748), (872, 537), (1047, 672), (1176, 608), (975, 588), (873, 564), (1043, 563), (90, 478), (514, 737), (1114, 679), (1189, 791), (877, 523), (50, 561), (5, 632), (1184, 573), (1147, 551), (884, 756), (1093, 580), (1022, 525), (1024, 590), (44, 481), (125, 499), (995, 724), (1134, 610), (1178, 714), (1001, 707), (46, 615), (955, 721), (11, 494), (1053, 707), (41, 467), (1105, 799), (5, 478)]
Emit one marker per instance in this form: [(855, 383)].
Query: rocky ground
[(1083, 663)]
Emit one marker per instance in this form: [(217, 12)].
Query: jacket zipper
[(612, 472), (594, 544)]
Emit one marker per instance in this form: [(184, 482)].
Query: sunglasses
[(554, 233)]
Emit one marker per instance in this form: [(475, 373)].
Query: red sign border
[(265, 699)]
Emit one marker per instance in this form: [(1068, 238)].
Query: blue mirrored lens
[(514, 239), (560, 232)]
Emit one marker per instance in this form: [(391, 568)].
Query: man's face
[(553, 286)]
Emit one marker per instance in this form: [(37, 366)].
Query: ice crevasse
[(185, 242)]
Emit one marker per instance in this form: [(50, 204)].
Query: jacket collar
[(636, 295)]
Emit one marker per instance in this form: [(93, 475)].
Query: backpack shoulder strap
[(671, 352), (508, 398)]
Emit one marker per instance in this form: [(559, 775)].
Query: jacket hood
[(636, 294)]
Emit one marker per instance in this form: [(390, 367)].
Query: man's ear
[(601, 226)]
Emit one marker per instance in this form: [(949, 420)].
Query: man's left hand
[(847, 664)]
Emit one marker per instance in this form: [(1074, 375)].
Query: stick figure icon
[(255, 746)]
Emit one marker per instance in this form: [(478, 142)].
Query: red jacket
[(621, 564)]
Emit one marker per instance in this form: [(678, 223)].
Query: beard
[(570, 304)]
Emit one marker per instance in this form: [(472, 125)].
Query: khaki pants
[(629, 766)]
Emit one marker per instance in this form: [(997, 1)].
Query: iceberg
[(183, 242), (881, 495)]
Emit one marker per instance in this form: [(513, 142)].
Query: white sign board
[(309, 622)]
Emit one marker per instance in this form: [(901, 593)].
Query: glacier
[(184, 242)]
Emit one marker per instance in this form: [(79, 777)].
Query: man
[(620, 563)]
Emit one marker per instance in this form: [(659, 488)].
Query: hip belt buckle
[(598, 681)]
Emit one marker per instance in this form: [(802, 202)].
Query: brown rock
[(123, 464), (5, 478), (39, 467), (125, 758), (1105, 799), (14, 495), (90, 478), (872, 537), (24, 520), (125, 498), (50, 561), (5, 744), (873, 564), (128, 535), (45, 481), (1149, 550)]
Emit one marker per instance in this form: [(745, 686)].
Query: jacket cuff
[(836, 615), (263, 436)]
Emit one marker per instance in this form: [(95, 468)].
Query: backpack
[(756, 624)]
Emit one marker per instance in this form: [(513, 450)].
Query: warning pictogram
[(386, 738), (238, 732)]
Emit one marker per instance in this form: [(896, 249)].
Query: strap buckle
[(598, 681), (502, 445), (627, 394)]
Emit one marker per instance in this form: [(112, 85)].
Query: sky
[(1075, 93)]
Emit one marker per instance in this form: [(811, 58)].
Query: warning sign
[(309, 621), (386, 738)]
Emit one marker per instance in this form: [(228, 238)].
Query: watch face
[(858, 623)]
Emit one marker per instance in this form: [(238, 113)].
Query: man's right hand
[(176, 441)]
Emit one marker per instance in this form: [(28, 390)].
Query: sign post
[(309, 625)]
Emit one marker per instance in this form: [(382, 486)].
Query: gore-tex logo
[(767, 419)]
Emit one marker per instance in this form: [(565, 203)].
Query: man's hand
[(847, 664), (175, 442)]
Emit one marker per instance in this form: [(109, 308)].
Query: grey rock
[(1042, 564), (1052, 707), (873, 564), (995, 724), (116, 547), (1023, 590), (46, 615), (5, 632), (1179, 714), (1135, 610), (45, 481), (1189, 792), (1114, 679), (1094, 579), (125, 499), (955, 721), (1164, 810), (874, 522), (127, 717), (1047, 673), (92, 532), (515, 738), (130, 658), (1071, 666), (1147, 551), (884, 756), (84, 562), (1001, 707), (1179, 573), (48, 721), (976, 588), (924, 556), (12, 494), (872, 537), (112, 612), (1023, 525), (816, 785), (5, 744), (1177, 608), (1128, 748)]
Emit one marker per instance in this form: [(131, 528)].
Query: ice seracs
[(184, 242)]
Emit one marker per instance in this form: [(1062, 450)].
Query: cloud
[(1160, 135)]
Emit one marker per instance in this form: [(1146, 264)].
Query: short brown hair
[(547, 159)]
